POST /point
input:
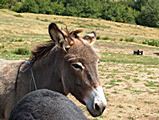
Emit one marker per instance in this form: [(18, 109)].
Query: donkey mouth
[(96, 102)]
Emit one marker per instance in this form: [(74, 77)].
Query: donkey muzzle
[(96, 102)]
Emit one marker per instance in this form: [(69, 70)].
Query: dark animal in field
[(66, 64), (156, 53), (46, 105), (138, 52)]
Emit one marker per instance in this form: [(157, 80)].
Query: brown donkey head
[(79, 68)]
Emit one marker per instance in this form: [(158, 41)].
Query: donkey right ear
[(56, 34), (90, 38)]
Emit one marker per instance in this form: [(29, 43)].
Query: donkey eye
[(78, 66)]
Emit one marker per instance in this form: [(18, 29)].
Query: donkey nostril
[(97, 107), (103, 108)]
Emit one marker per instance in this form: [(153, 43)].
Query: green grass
[(131, 39), (136, 80), (136, 91), (128, 58), (152, 84), (10, 55), (113, 83), (19, 47), (97, 25), (43, 20)]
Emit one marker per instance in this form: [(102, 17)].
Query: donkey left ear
[(56, 34), (90, 37)]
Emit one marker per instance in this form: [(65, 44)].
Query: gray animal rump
[(46, 105)]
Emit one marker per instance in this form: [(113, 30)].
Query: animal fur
[(46, 105)]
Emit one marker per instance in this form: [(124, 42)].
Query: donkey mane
[(42, 50)]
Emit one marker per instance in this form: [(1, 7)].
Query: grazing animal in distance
[(66, 64), (138, 52), (46, 105)]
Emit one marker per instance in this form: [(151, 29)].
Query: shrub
[(129, 39), (152, 42), (21, 51), (106, 38)]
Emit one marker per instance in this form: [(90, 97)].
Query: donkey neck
[(47, 71)]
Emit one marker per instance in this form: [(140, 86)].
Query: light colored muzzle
[(96, 101)]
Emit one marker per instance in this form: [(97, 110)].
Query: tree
[(136, 4), (119, 12), (7, 3), (149, 15), (91, 9), (17, 7), (57, 8), (44, 6), (29, 6)]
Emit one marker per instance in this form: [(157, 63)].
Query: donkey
[(44, 104), (66, 64)]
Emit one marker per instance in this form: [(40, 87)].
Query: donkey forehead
[(83, 52)]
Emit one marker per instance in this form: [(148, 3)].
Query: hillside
[(131, 83)]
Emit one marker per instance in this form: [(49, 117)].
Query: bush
[(152, 42), (129, 39), (21, 51), (105, 38)]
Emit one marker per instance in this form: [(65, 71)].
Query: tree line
[(142, 12)]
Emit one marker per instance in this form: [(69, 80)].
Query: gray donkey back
[(46, 105)]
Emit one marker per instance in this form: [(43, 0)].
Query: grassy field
[(131, 83)]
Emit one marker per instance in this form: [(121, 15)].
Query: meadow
[(131, 82)]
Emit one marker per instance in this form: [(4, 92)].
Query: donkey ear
[(76, 32), (56, 34), (90, 37)]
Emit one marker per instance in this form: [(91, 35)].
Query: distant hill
[(142, 12)]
